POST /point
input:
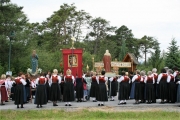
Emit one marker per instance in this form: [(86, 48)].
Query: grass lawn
[(86, 114)]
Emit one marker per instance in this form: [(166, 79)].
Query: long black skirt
[(124, 91), (19, 94), (48, 91), (93, 90), (137, 92), (163, 89), (41, 96), (142, 91), (113, 88), (55, 92), (102, 92), (79, 90), (172, 92), (150, 95), (68, 94)]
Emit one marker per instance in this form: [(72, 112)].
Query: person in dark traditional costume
[(55, 92), (162, 81), (41, 97), (20, 90), (94, 87), (135, 91), (113, 88), (150, 94), (27, 87), (48, 76), (142, 86), (3, 89), (102, 90), (171, 87), (68, 94), (124, 81), (176, 76), (79, 89), (156, 86)]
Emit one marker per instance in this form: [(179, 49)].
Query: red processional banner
[(72, 59)]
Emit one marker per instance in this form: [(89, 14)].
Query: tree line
[(94, 35)]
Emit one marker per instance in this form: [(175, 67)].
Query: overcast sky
[(156, 18)]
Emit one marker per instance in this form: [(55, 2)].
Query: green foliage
[(94, 35), (173, 56)]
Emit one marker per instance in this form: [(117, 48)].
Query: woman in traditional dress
[(27, 87), (55, 92), (142, 86), (3, 89), (48, 76), (79, 89), (41, 97), (149, 80), (124, 81), (156, 86), (102, 90), (162, 81), (20, 90), (171, 87), (68, 95), (94, 87), (113, 87), (135, 90)]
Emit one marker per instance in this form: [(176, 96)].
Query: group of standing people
[(141, 87)]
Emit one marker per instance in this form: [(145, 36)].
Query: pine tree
[(172, 56)]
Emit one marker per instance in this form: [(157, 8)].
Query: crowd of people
[(45, 87)]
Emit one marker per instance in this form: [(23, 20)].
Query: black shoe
[(120, 103), (70, 105), (102, 104), (65, 104), (41, 106), (98, 104), (55, 105), (112, 100), (80, 100), (94, 100), (2, 104), (124, 102), (22, 107), (37, 106), (17, 106), (6, 101)]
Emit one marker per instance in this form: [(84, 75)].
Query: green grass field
[(86, 114)]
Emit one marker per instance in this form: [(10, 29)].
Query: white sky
[(156, 18)]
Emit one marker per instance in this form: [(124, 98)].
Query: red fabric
[(155, 77), (55, 79), (126, 79), (42, 80), (76, 70), (84, 86), (164, 76), (172, 78), (68, 78), (4, 96), (17, 80), (149, 79), (101, 79), (139, 78), (93, 78)]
